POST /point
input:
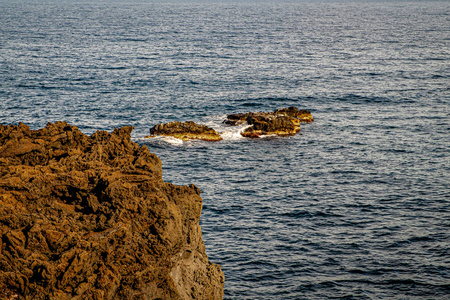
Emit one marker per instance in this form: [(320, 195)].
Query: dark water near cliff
[(357, 206)]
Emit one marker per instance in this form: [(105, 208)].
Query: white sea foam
[(227, 132), (162, 139), (232, 133)]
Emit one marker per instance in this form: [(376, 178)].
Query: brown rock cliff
[(89, 217)]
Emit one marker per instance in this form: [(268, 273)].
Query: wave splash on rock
[(281, 122), (90, 217)]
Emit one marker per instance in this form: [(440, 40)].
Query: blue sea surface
[(355, 206)]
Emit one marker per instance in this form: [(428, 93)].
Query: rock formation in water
[(185, 131), (270, 124), (89, 217), (282, 122)]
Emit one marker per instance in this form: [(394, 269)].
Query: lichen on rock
[(89, 217)]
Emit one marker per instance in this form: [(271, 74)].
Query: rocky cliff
[(89, 217)]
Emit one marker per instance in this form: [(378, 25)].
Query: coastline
[(91, 217)]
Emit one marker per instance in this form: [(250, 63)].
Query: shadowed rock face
[(89, 217), (285, 121), (186, 131)]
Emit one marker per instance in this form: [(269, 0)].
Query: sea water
[(355, 206)]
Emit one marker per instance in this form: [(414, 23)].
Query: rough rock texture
[(186, 131), (89, 217), (285, 121), (303, 115), (270, 124)]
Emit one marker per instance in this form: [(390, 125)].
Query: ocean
[(355, 206)]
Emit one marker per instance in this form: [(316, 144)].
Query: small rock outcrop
[(267, 124), (185, 131), (303, 115), (90, 217), (282, 122)]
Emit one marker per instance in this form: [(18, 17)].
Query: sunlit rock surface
[(185, 131), (282, 122), (89, 217)]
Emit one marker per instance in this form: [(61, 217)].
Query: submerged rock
[(185, 131), (90, 217), (282, 122)]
